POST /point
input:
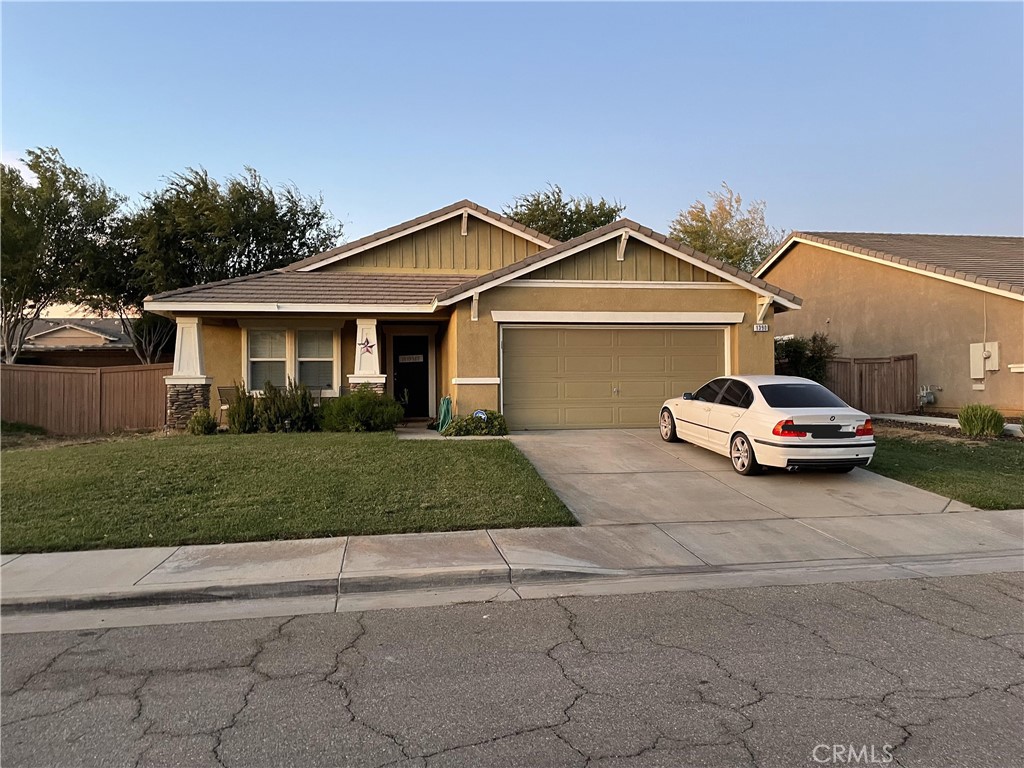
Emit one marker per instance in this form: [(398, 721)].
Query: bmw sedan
[(771, 421)]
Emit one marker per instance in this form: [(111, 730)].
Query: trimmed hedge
[(362, 410), (492, 423)]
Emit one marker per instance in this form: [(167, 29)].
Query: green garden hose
[(444, 414)]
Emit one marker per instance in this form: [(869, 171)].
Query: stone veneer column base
[(376, 383), (183, 400)]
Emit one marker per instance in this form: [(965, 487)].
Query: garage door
[(571, 377)]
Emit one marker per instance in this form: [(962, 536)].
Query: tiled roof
[(616, 226), (412, 223), (109, 328), (996, 262), (320, 288)]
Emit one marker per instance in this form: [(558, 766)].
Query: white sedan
[(771, 421)]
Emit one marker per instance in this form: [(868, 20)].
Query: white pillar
[(189, 365), (367, 364)]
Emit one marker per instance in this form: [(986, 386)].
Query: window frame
[(333, 359), (291, 361), (249, 359)]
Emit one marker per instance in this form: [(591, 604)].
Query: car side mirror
[(687, 395)]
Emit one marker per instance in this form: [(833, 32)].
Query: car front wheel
[(742, 454), (667, 426)]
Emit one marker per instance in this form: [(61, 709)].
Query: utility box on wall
[(984, 357)]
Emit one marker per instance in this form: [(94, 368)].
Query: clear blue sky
[(868, 117)]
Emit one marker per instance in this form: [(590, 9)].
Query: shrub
[(492, 423), (201, 423), (978, 420), (805, 357), (362, 410), (242, 413), (286, 410)]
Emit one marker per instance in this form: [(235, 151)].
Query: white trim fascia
[(409, 230), (226, 306), (73, 328), (904, 267), (476, 380), (622, 284), (775, 257), (686, 318), (715, 271), (1016, 367)]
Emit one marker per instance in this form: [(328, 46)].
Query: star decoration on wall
[(366, 346)]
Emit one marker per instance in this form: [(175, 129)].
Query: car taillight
[(785, 429), (865, 429)]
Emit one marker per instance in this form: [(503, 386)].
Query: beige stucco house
[(595, 332), (957, 302)]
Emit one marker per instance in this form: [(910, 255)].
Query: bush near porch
[(233, 488)]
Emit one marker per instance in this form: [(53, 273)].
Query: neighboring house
[(78, 342), (957, 302), (595, 332)]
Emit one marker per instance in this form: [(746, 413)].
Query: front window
[(266, 359), (316, 359), (710, 391)]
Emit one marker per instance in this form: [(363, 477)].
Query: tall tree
[(727, 232), (562, 217), (48, 230), (198, 230)]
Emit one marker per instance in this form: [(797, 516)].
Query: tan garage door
[(569, 377)]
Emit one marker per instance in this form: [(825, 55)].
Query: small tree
[(725, 232), (562, 217), (50, 232), (804, 357)]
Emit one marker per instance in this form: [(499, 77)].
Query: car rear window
[(799, 396)]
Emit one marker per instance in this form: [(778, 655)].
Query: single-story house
[(90, 342), (957, 302), (594, 332)]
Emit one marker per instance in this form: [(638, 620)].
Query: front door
[(412, 374)]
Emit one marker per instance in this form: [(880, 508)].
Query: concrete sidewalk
[(530, 561)]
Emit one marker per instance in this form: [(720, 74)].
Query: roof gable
[(464, 209), (993, 264), (619, 229), (72, 331)]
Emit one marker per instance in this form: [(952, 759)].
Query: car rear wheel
[(741, 452), (667, 426)]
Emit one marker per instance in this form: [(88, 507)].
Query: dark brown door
[(412, 374)]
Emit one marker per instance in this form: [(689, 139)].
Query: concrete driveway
[(615, 477)]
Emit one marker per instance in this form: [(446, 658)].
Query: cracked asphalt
[(932, 669)]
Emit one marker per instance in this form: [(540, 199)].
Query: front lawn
[(983, 474), (229, 488)]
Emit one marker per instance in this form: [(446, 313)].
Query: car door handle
[(734, 414), (706, 410)]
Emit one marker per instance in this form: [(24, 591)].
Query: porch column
[(367, 365), (188, 386)]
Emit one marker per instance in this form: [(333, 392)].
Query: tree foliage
[(725, 231), (198, 230), (800, 356), (50, 232), (562, 217)]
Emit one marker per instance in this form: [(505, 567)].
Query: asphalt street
[(927, 671)]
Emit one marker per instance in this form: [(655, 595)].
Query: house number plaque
[(410, 358), (760, 327)]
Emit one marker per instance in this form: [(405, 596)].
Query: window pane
[(263, 371), (316, 374), (710, 391), (316, 344), (266, 344), (799, 396), (738, 395)]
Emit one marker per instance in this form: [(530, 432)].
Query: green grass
[(986, 475), (230, 488)]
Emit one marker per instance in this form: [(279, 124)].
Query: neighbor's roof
[(713, 264), (995, 262), (283, 286), (419, 222), (108, 331)]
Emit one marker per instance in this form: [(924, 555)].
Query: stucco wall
[(875, 310), (222, 351)]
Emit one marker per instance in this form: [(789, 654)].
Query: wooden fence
[(875, 384), (84, 401)]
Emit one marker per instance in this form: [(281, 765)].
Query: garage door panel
[(587, 390), (602, 377), (590, 417), (575, 364)]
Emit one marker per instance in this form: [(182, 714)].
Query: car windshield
[(799, 396)]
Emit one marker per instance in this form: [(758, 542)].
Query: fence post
[(99, 400)]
